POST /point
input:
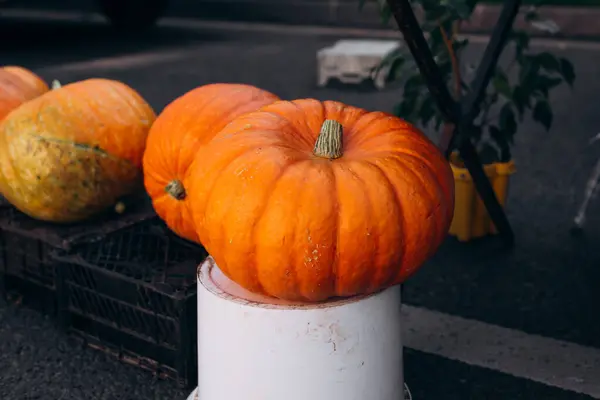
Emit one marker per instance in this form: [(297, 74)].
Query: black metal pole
[(415, 40), (485, 71), (417, 44)]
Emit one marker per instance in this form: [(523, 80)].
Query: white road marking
[(552, 362), (198, 24)]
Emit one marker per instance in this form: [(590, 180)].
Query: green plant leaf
[(543, 84), (532, 14), (460, 8), (542, 113), (488, 154), (494, 131), (501, 84), (521, 100), (445, 68), (529, 68), (434, 11), (396, 61), (436, 42), (385, 13), (521, 39), (502, 142), (567, 71), (396, 69), (414, 85), (508, 122), (438, 120), (547, 61), (460, 44), (406, 109), (475, 133), (427, 110)]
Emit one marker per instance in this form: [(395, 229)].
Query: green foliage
[(520, 86)]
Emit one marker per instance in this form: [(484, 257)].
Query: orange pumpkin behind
[(17, 86), (307, 200), (180, 130), (75, 150), (29, 77)]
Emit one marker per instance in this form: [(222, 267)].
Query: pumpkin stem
[(329, 143), (56, 84), (175, 189)]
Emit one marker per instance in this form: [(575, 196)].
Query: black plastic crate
[(133, 295), (26, 243), (17, 290)]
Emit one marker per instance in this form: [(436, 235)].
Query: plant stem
[(176, 190), (448, 128), (329, 144), (453, 57)]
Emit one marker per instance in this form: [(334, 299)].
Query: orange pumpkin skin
[(282, 221), (180, 130), (29, 77), (75, 150), (16, 89)]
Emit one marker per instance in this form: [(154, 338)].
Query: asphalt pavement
[(545, 288)]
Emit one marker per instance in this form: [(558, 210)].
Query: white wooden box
[(353, 61)]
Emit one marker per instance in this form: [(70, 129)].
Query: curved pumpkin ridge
[(380, 229), (399, 246), (239, 209), (205, 170), (409, 146), (365, 124), (427, 179), (186, 124), (407, 141), (418, 213), (291, 237), (355, 212)]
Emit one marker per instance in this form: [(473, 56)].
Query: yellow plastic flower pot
[(471, 219)]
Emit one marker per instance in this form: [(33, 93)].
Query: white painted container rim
[(219, 285)]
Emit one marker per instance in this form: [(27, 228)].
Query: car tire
[(133, 15)]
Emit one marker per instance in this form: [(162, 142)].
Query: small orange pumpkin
[(75, 150), (300, 215), (18, 85), (179, 131), (29, 77)]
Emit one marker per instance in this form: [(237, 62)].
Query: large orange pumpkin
[(300, 215), (75, 150), (186, 124), (18, 85)]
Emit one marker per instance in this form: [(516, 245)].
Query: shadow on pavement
[(38, 43)]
